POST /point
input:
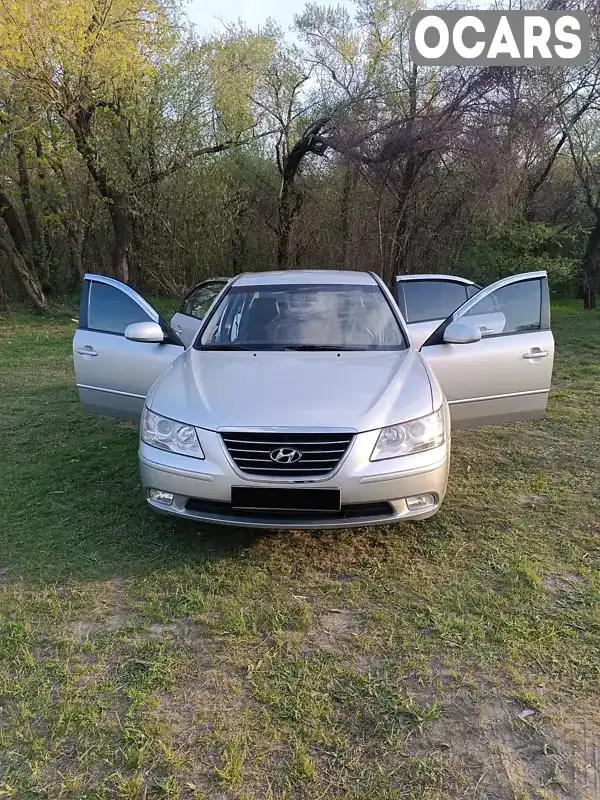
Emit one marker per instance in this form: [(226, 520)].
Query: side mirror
[(459, 332), (145, 332)]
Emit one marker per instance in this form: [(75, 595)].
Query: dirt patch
[(563, 582), (336, 625), (112, 612), (531, 500), (577, 742), (200, 718), (508, 757), (364, 664), (84, 629), (340, 622), (185, 631), (157, 631), (518, 761)]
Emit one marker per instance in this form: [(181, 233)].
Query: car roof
[(434, 276), (305, 276)]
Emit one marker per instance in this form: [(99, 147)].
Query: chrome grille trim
[(321, 452), (277, 437)]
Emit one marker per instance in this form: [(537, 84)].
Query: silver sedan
[(297, 399)]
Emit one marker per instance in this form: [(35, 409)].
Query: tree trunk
[(25, 190), (345, 203), (76, 237), (290, 200), (286, 217), (19, 256), (397, 264), (17, 232), (536, 184), (123, 250), (588, 277), (589, 295), (239, 245), (3, 299), (26, 277), (117, 201)]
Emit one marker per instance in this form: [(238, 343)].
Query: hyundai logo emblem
[(285, 455)]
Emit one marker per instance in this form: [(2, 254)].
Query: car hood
[(231, 390)]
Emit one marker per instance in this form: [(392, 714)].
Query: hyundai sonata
[(297, 399)]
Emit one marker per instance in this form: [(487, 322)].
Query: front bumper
[(372, 492)]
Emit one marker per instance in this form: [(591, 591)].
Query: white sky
[(205, 14)]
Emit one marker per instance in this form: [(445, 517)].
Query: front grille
[(320, 452)]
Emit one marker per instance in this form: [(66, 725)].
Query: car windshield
[(303, 317)]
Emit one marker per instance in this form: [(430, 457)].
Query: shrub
[(520, 246)]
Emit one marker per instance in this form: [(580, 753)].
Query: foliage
[(54, 50), (238, 65), (518, 246), (129, 145)]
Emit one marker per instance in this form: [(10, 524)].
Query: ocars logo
[(499, 38)]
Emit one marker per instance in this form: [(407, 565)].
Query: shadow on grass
[(72, 506)]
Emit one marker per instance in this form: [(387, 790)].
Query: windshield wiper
[(317, 347), (224, 347), (275, 347)]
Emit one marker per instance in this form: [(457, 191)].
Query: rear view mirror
[(459, 332), (145, 332)]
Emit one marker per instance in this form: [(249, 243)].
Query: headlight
[(176, 437), (410, 437)]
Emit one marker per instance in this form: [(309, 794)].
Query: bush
[(494, 253)]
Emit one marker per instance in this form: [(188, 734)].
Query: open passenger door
[(500, 372), (114, 373)]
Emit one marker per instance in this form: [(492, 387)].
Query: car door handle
[(536, 354), (177, 328), (86, 351), (483, 329)]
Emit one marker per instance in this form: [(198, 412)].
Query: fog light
[(160, 497), (420, 502)]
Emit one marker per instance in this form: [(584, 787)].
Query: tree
[(131, 146), (392, 120), (23, 245), (96, 64)]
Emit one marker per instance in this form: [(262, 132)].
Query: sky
[(205, 14)]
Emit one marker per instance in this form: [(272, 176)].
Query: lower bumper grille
[(348, 512), (291, 455)]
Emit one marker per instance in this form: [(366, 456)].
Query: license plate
[(268, 499)]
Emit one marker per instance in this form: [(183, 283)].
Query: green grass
[(142, 657)]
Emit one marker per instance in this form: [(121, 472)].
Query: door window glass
[(512, 309), (198, 301), (111, 310), (487, 305), (429, 300)]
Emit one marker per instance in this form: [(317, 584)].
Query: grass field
[(147, 658)]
